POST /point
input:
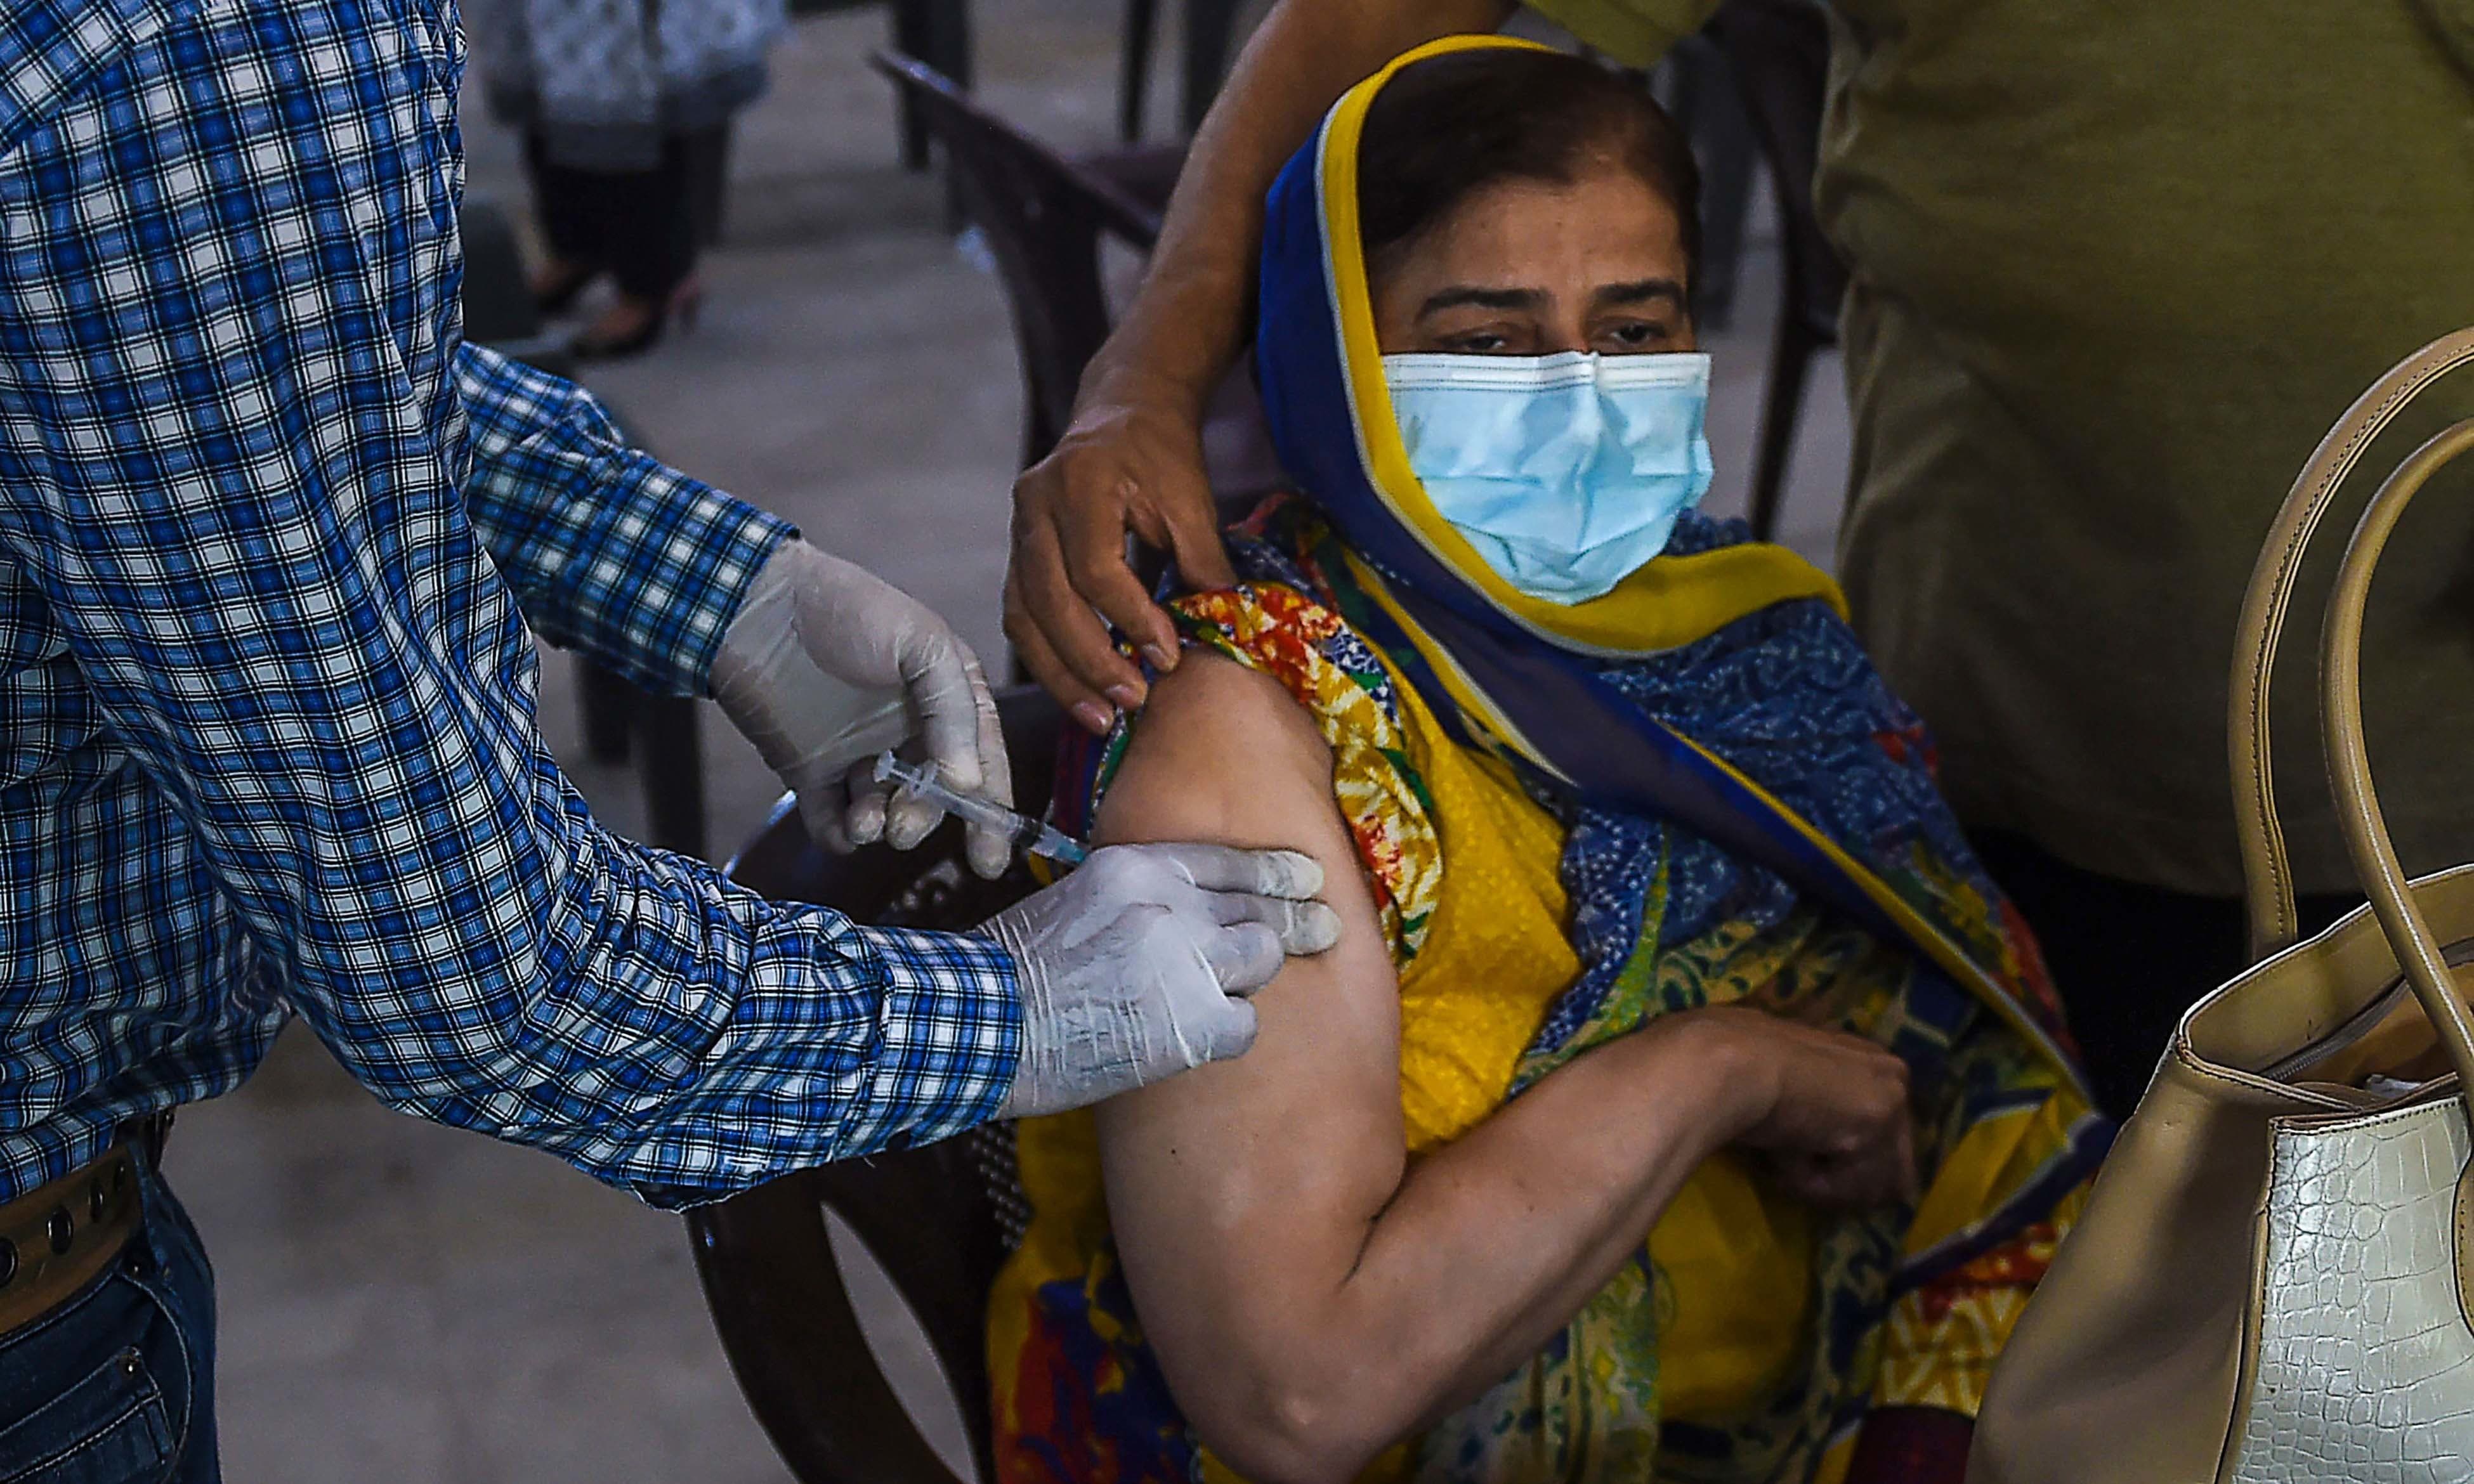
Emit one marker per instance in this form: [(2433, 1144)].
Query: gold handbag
[(2270, 1281)]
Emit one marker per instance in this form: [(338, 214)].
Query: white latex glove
[(828, 666), (1137, 966)]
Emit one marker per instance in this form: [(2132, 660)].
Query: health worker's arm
[(281, 617), (607, 550), (1314, 1294)]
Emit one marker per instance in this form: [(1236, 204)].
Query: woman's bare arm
[(1312, 1294)]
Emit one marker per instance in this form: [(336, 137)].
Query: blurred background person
[(625, 107)]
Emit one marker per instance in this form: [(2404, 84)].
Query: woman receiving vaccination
[(1683, 1101)]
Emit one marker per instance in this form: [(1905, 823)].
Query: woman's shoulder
[(1259, 662), (1212, 706), (1219, 753), (1284, 619)]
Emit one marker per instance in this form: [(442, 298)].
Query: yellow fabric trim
[(1496, 954), (1734, 1260), (1946, 1362), (1463, 691), (1940, 1351), (1667, 603), (1999, 1155)]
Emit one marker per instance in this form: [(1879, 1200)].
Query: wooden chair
[(1210, 33), (1043, 216), (938, 31), (939, 1219), (618, 719), (1779, 52), (1698, 90)]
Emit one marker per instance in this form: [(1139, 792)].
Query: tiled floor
[(403, 1303)]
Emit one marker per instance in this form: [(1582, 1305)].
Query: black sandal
[(589, 346), (559, 300)]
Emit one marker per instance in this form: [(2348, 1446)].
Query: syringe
[(1021, 831)]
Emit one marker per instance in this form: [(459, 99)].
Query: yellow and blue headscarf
[(1559, 688)]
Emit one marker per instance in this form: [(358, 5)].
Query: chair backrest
[(939, 1219), (1043, 215), (1779, 52)]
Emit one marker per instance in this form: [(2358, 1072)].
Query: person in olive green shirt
[(2116, 267)]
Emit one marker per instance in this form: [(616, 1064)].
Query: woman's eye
[(1478, 345), (1639, 335)]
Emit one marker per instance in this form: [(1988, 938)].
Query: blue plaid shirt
[(267, 731)]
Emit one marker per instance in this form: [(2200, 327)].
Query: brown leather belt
[(54, 1238)]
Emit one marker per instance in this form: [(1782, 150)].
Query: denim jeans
[(116, 1386)]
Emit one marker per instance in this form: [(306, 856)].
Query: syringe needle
[(1022, 831)]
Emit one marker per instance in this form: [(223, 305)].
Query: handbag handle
[(2357, 808), (2267, 881)]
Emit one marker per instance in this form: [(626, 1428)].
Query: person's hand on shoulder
[(1131, 461)]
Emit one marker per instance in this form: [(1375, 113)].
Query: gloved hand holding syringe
[(1133, 967), (1021, 831)]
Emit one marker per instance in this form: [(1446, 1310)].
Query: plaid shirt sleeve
[(608, 551), (285, 740)]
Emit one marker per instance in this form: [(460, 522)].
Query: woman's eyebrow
[(1485, 299), (1640, 290)]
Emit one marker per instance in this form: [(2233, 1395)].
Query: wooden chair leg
[(672, 769), (1701, 91), (938, 33), (609, 706), (1781, 400), (1207, 27), (1134, 68)]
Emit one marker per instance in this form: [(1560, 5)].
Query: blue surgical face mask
[(1568, 471)]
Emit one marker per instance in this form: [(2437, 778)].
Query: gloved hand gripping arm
[(1138, 966)]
